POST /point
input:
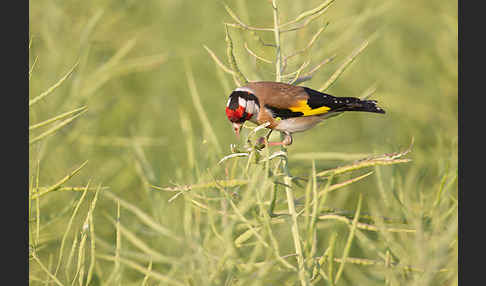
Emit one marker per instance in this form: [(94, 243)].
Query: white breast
[(298, 124)]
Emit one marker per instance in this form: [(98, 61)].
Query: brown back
[(280, 95)]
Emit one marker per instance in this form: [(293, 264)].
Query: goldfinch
[(288, 108)]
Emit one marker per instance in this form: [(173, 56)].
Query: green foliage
[(135, 177)]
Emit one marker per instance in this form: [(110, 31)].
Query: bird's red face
[(238, 115), (242, 106)]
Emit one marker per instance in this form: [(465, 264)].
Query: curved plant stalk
[(255, 55), (238, 76), (218, 61)]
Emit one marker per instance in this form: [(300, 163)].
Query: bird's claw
[(261, 143)]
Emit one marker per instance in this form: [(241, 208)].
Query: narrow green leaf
[(69, 225), (347, 247), (90, 222), (240, 23), (362, 164), (308, 13), (53, 87), (140, 244), (199, 108), (44, 268), (363, 226), (328, 156), (146, 219), (32, 68), (224, 183), (55, 118), (345, 183), (151, 273), (52, 130), (330, 267), (347, 62), (244, 237)]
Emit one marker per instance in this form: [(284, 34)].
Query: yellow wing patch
[(303, 107)]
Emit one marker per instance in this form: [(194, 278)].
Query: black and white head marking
[(244, 96)]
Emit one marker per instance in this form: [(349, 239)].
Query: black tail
[(356, 104), (318, 99)]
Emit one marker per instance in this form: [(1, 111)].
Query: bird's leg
[(285, 142), (268, 135)]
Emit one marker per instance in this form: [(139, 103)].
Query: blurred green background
[(135, 59)]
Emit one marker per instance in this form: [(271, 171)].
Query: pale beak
[(237, 128)]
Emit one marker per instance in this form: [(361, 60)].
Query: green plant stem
[(273, 200), (276, 31), (295, 227), (287, 179)]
